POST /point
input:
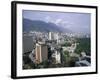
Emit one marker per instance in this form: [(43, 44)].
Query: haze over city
[(76, 22)]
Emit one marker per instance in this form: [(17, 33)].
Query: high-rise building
[(56, 37), (51, 37), (41, 52)]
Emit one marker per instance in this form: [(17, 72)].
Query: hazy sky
[(77, 22)]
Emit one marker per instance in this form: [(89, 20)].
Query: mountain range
[(37, 25)]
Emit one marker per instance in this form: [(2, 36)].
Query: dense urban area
[(55, 50)]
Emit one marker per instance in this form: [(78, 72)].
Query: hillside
[(36, 25)]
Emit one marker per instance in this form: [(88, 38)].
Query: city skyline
[(56, 39)]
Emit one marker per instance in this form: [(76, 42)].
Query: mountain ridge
[(42, 26)]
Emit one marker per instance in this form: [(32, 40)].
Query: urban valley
[(55, 50)]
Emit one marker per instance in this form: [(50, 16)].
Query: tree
[(72, 61), (84, 45), (66, 44), (66, 53), (45, 64)]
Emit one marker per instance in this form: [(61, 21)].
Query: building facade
[(41, 52)]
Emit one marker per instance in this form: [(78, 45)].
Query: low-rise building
[(57, 56)]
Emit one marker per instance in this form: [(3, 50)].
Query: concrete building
[(56, 37), (41, 52), (57, 56), (83, 54), (51, 36)]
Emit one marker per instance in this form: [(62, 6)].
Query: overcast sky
[(77, 22)]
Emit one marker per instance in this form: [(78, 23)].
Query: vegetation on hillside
[(84, 45)]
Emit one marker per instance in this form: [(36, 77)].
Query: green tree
[(66, 44), (66, 53), (84, 45)]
